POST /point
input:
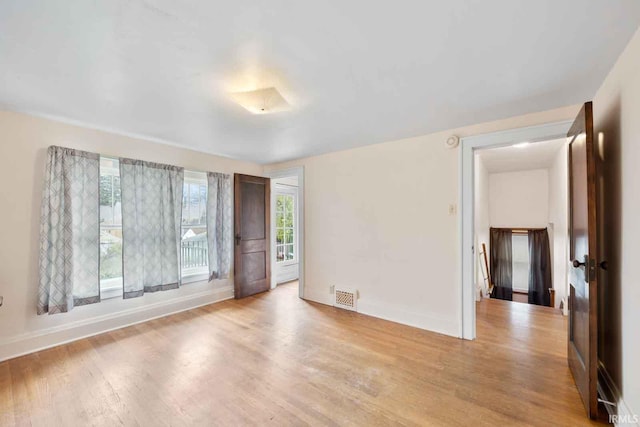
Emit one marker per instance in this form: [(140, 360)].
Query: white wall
[(481, 220), (519, 199), (617, 127), (23, 146), (377, 219), (559, 224)]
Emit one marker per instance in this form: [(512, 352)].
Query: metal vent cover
[(346, 299)]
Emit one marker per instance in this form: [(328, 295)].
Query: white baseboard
[(394, 314), (320, 297), (406, 317), (58, 335), (620, 414)]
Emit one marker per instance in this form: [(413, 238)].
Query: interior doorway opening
[(469, 145), (287, 228), (584, 262), (285, 192), (521, 223)]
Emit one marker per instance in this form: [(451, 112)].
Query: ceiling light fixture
[(262, 101), (521, 145)]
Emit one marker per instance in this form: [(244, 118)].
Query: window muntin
[(286, 251), (194, 248)]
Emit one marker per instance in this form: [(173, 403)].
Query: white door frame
[(283, 173), (468, 145)]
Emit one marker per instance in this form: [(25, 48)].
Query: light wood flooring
[(275, 359)]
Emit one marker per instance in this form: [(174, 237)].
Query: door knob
[(578, 264)]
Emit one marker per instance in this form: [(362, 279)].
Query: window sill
[(112, 288), (191, 278)]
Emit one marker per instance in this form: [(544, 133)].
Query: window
[(194, 249), (520, 262), (194, 256), (286, 251), (110, 229)]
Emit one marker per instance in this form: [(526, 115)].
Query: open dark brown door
[(252, 226), (583, 291)]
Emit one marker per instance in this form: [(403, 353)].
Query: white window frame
[(283, 190), (187, 276), (524, 287), (113, 287)]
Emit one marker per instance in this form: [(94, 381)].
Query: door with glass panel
[(286, 227)]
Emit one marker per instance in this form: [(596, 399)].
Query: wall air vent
[(346, 298)]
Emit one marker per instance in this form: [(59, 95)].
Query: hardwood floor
[(274, 358), (521, 297)]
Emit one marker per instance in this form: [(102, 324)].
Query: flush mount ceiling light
[(521, 145), (262, 101)]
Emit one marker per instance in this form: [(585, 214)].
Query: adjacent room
[(331, 213), (521, 211), (287, 228), (521, 222)]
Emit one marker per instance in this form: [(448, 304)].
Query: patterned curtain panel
[(69, 231), (151, 217), (219, 224)]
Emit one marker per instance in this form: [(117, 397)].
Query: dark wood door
[(252, 227), (583, 291)]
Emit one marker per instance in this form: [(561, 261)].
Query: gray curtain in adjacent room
[(502, 263), (219, 224), (151, 219), (69, 231), (539, 267)]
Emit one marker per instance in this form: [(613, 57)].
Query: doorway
[(467, 177), (285, 191), (521, 222), (287, 228), (584, 164)]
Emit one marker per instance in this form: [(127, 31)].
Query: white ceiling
[(538, 155), (356, 72)]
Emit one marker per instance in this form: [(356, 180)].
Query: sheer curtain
[(151, 219), (501, 263), (219, 224), (539, 267), (69, 231)]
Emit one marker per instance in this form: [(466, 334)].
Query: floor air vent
[(346, 298)]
